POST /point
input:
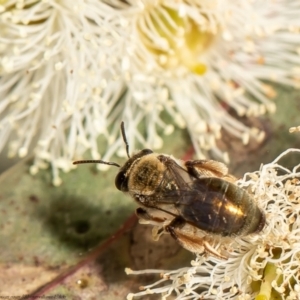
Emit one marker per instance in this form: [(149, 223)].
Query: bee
[(194, 201)]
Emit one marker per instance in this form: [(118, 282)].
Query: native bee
[(193, 200)]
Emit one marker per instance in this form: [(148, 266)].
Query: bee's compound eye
[(121, 182)]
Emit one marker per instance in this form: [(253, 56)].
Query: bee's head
[(121, 180)]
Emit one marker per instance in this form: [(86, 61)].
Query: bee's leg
[(208, 168), (189, 239), (142, 214), (176, 223), (145, 216), (212, 250)]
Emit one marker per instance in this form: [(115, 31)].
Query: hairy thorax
[(146, 175)]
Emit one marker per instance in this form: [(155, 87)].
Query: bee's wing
[(198, 200), (215, 205), (177, 188), (175, 179), (205, 207)]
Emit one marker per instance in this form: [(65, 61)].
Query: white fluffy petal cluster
[(71, 70)]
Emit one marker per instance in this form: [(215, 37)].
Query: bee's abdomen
[(223, 208)]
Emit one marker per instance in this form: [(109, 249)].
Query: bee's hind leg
[(189, 239), (186, 238), (208, 168), (176, 223)]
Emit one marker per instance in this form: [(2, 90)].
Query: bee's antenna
[(77, 162), (124, 138)]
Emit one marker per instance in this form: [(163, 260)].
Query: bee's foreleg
[(146, 218)]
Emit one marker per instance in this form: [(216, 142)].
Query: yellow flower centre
[(175, 39)]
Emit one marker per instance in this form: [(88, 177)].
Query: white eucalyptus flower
[(263, 266), (71, 70)]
